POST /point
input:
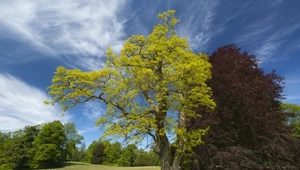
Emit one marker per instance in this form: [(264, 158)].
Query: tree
[(98, 155), (80, 153), (72, 139), (89, 152), (294, 119), (151, 89), (144, 158), (12, 151), (112, 152), (48, 146), (246, 128), (15, 147), (141, 158), (128, 155), (28, 137)]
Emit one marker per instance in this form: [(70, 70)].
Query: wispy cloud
[(89, 129), (292, 88), (292, 97), (22, 105), (254, 30), (267, 36), (70, 27), (272, 47), (94, 110), (198, 23)]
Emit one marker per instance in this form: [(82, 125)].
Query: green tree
[(112, 152), (79, 153), (128, 155), (141, 158), (150, 88), (3, 139), (153, 158), (12, 151), (72, 139), (29, 135), (83, 146), (15, 147), (98, 155), (89, 152), (3, 158), (144, 158), (48, 146), (294, 120)]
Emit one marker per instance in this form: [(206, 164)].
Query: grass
[(87, 166)]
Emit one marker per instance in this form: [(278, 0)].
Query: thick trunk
[(164, 153), (176, 164), (167, 162), (180, 142)]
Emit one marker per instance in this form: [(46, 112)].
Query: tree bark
[(167, 162), (164, 153), (180, 143)]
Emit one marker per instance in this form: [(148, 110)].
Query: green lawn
[(86, 166)]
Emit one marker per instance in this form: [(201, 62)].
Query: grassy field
[(86, 166)]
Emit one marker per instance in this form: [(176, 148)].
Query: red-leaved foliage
[(247, 129)]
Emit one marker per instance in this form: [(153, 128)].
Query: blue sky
[(38, 36)]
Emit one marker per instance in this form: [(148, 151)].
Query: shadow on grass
[(66, 164)]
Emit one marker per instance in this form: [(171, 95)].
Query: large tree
[(128, 156), (247, 129), (150, 88), (15, 147), (98, 155), (48, 146), (72, 139)]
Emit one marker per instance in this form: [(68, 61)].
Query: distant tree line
[(41, 146), (50, 145), (106, 153)]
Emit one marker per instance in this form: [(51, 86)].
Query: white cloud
[(270, 47), (267, 37), (22, 105), (69, 27), (198, 24), (94, 110), (253, 31), (89, 129)]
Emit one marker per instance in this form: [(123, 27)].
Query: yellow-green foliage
[(294, 120), (151, 77)]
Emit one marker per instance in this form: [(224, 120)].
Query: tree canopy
[(151, 89), (40, 146), (247, 129), (48, 146), (72, 139)]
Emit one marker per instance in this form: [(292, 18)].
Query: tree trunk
[(180, 143), (176, 164), (164, 153), (167, 162)]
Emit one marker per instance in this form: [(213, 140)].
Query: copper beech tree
[(247, 129), (150, 89)]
